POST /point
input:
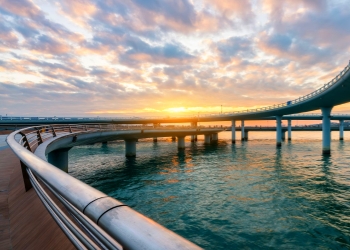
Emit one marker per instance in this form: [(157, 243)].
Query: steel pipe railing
[(108, 224)]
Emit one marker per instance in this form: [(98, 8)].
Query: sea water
[(248, 195)]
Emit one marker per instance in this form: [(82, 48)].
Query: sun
[(176, 110)]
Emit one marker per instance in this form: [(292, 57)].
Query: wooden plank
[(24, 221)]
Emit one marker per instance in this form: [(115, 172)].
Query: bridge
[(109, 223), (43, 152), (333, 93), (246, 130)]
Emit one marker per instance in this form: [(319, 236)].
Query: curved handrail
[(108, 221)]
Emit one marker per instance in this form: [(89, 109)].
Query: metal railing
[(99, 221)]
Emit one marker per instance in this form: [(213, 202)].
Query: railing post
[(39, 138), (26, 142), (26, 179), (53, 132)]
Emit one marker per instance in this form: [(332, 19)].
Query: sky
[(153, 57)]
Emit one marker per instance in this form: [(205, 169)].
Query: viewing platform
[(24, 221), (84, 216)]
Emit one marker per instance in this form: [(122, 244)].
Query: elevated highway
[(333, 93), (245, 130), (35, 121)]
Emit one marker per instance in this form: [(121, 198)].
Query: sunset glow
[(115, 58)]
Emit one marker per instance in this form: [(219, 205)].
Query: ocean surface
[(3, 143), (250, 195)]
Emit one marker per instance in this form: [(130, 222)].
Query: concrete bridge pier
[(215, 138), (59, 158), (278, 131), (289, 130), (341, 130), (173, 138), (130, 148), (181, 142), (246, 135), (155, 139), (242, 130), (326, 130), (233, 131), (193, 138), (283, 135), (206, 139)]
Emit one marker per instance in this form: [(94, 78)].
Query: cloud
[(139, 51), (235, 47), (8, 39), (158, 54), (47, 44), (233, 9)]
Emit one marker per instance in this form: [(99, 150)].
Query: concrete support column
[(206, 139), (242, 130), (130, 148), (283, 135), (215, 137), (326, 130), (173, 138), (181, 142), (196, 138), (278, 131), (246, 135), (193, 138), (233, 131), (59, 158), (341, 130), (155, 139), (289, 130)]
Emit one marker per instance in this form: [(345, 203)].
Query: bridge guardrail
[(119, 227)]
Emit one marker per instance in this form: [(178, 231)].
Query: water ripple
[(249, 195)]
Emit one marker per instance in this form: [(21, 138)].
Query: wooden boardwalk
[(24, 221)]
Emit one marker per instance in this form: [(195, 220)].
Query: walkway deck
[(24, 221)]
